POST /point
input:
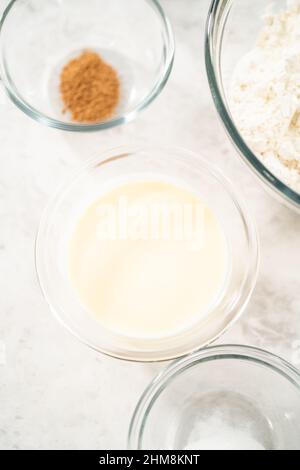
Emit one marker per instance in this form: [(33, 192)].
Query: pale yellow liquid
[(147, 287)]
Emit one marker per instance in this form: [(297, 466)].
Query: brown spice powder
[(90, 88)]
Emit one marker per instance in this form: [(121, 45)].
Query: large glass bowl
[(37, 38), (248, 390), (232, 30), (190, 171)]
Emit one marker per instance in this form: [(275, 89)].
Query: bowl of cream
[(147, 253)]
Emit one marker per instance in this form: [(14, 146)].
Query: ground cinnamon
[(90, 88)]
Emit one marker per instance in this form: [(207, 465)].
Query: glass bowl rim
[(251, 235), (126, 117), (246, 353), (284, 192)]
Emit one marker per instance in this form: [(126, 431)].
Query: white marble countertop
[(55, 392)]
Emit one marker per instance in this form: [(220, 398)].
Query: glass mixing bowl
[(234, 387), (38, 38), (232, 30), (119, 165)]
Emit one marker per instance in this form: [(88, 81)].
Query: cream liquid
[(145, 276)]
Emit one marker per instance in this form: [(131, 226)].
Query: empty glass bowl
[(232, 30), (226, 397), (123, 164), (38, 38)]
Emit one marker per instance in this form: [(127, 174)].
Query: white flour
[(214, 434), (265, 95)]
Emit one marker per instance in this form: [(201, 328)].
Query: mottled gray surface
[(54, 392)]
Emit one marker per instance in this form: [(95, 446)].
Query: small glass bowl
[(121, 165), (246, 389), (38, 38), (241, 20)]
